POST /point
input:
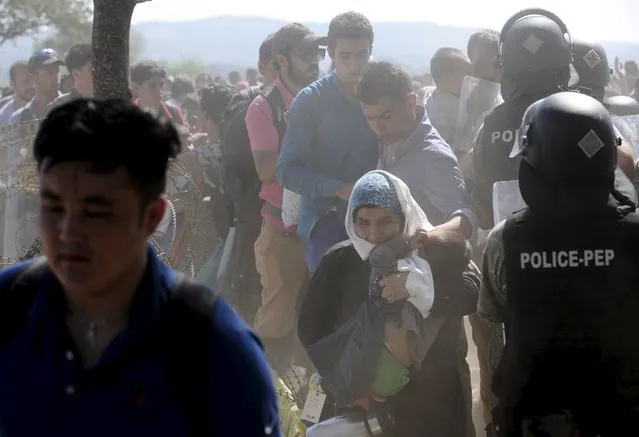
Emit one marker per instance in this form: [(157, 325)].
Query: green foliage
[(63, 39), (25, 17), (188, 67)]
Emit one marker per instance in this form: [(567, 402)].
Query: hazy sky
[(617, 20)]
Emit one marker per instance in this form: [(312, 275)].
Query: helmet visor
[(521, 141)]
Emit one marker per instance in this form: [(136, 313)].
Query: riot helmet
[(569, 154), (622, 106), (570, 135), (535, 51), (533, 40), (591, 63)]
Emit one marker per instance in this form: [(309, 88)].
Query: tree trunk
[(111, 26)]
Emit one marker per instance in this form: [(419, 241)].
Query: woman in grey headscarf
[(348, 319)]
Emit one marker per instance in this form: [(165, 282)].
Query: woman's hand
[(394, 287)]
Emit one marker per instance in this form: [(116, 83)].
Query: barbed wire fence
[(19, 187)]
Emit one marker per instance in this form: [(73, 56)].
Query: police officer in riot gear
[(535, 52), (562, 274), (591, 64)]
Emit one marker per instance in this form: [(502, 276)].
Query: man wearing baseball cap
[(300, 50), (44, 67), (279, 252)]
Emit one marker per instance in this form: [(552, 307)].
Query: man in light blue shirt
[(44, 67), (20, 81), (328, 145)]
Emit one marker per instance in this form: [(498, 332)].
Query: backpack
[(239, 177), (185, 316)]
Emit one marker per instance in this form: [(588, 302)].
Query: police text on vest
[(567, 259), (506, 136)]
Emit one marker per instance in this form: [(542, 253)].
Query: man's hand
[(345, 190), (621, 72), (394, 287), (466, 165), (419, 240)]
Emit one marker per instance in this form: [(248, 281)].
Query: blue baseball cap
[(43, 58)]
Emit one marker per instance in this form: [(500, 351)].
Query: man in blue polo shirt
[(100, 338), (328, 145)]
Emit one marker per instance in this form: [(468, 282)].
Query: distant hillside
[(232, 42)]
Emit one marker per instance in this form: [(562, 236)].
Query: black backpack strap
[(245, 95), (276, 103), (186, 333), (17, 297)]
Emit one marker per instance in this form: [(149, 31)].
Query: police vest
[(573, 315), (492, 151), (498, 137)]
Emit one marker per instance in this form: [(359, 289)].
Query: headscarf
[(375, 190), (379, 188)]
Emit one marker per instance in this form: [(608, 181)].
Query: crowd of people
[(353, 221)]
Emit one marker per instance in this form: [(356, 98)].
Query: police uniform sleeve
[(493, 299), (482, 191)]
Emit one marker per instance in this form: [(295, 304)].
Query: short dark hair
[(191, 102), (204, 76), (145, 70), (350, 25), (383, 79), (108, 135), (13, 70), (181, 85), (215, 99), (266, 50), (444, 62), (77, 57), (482, 40)]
